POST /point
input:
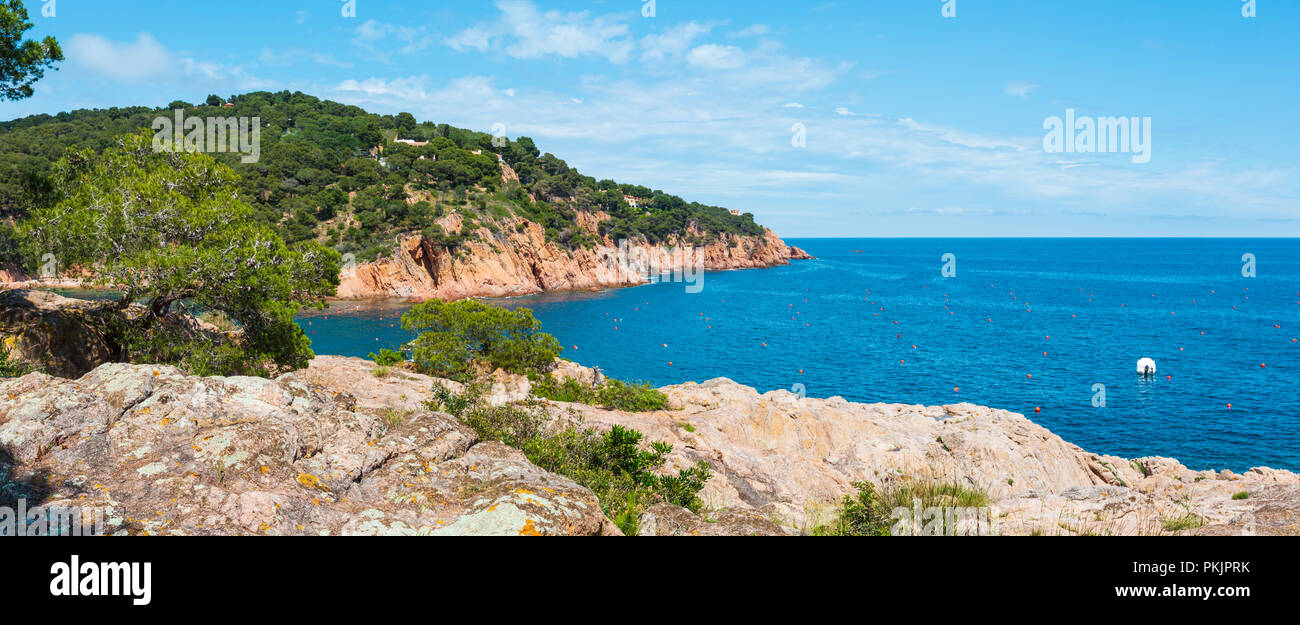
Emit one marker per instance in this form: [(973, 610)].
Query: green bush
[(613, 394), (870, 512), (612, 464), (386, 357), (454, 336)]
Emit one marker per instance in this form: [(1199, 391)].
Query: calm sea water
[(1024, 324)]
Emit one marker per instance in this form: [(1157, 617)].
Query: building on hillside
[(735, 212), (411, 142), (634, 202)]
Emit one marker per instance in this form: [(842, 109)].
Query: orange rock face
[(520, 261)]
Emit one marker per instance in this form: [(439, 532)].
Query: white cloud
[(672, 42), (297, 55), (715, 57), (1020, 89), (524, 32), (143, 60), (756, 30), (380, 40)]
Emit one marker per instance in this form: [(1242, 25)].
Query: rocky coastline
[(337, 448), (524, 262)]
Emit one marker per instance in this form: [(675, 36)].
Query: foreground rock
[(336, 449), (787, 459), (161, 452), (69, 337)]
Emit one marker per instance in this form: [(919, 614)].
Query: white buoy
[(1146, 367)]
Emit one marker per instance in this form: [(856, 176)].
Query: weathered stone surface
[(68, 337), (56, 333), (792, 459), (166, 453), (668, 520), (335, 450)]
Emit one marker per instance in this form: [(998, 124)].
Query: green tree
[(169, 228), (22, 63), (453, 336)]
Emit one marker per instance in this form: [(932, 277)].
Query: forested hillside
[(338, 174)]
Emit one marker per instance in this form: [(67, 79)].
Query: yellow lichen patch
[(265, 470), (529, 529), (310, 481), (523, 491)]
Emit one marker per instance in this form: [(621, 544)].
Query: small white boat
[(1146, 367)]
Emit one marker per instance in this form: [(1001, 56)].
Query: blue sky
[(916, 124)]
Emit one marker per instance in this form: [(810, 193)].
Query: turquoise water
[(873, 320)]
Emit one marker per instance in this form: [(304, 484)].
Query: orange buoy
[(1037, 409), (1029, 375)]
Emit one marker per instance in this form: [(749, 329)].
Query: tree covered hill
[(337, 174)]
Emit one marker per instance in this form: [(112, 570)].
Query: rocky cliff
[(334, 449), (519, 260)]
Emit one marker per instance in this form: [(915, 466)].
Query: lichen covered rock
[(161, 452)]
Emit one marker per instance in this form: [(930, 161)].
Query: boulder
[(161, 452)]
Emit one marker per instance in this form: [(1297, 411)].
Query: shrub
[(386, 357), (613, 394), (612, 464), (1241, 495), (869, 512), (454, 335), (1184, 521), (11, 368)]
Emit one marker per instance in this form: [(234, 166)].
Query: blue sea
[(1027, 325)]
